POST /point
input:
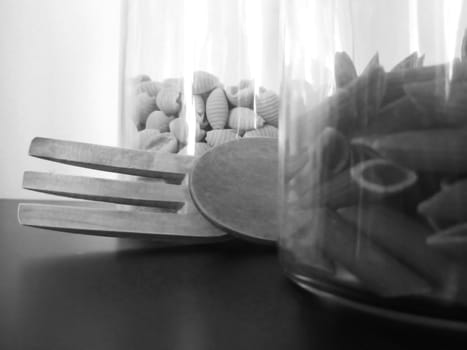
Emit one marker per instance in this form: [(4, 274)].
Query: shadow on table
[(226, 296)]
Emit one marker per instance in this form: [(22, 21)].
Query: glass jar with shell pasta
[(373, 155), (196, 74)]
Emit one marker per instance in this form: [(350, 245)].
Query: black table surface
[(67, 291)]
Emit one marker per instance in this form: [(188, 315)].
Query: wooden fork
[(179, 221), (234, 186)]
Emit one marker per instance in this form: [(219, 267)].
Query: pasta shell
[(241, 95), (145, 138), (200, 108), (200, 149), (153, 140), (134, 81), (176, 83), (152, 88), (204, 82), (204, 124), (200, 134), (164, 143), (143, 105), (265, 131), (244, 119), (217, 109), (218, 137), (169, 100), (267, 106), (159, 120), (179, 128)]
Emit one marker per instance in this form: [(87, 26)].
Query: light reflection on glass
[(451, 12), (191, 12), (254, 22), (414, 40)]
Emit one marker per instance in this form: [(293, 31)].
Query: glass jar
[(373, 162), (196, 74)]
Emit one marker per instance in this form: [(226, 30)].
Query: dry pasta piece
[(217, 109), (267, 106), (244, 119), (218, 137)]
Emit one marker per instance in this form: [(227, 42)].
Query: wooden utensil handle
[(113, 159), (144, 193), (120, 223)]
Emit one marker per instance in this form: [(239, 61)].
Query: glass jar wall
[(196, 74), (373, 144)]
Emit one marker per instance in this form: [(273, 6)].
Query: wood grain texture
[(113, 159), (143, 193), (120, 223), (236, 187)]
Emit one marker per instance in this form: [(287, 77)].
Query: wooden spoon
[(235, 186)]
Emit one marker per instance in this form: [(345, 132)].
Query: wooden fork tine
[(151, 194), (113, 159), (120, 223)]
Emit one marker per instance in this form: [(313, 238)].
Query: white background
[(59, 70), (58, 78)]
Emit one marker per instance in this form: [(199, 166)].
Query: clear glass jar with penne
[(373, 155)]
